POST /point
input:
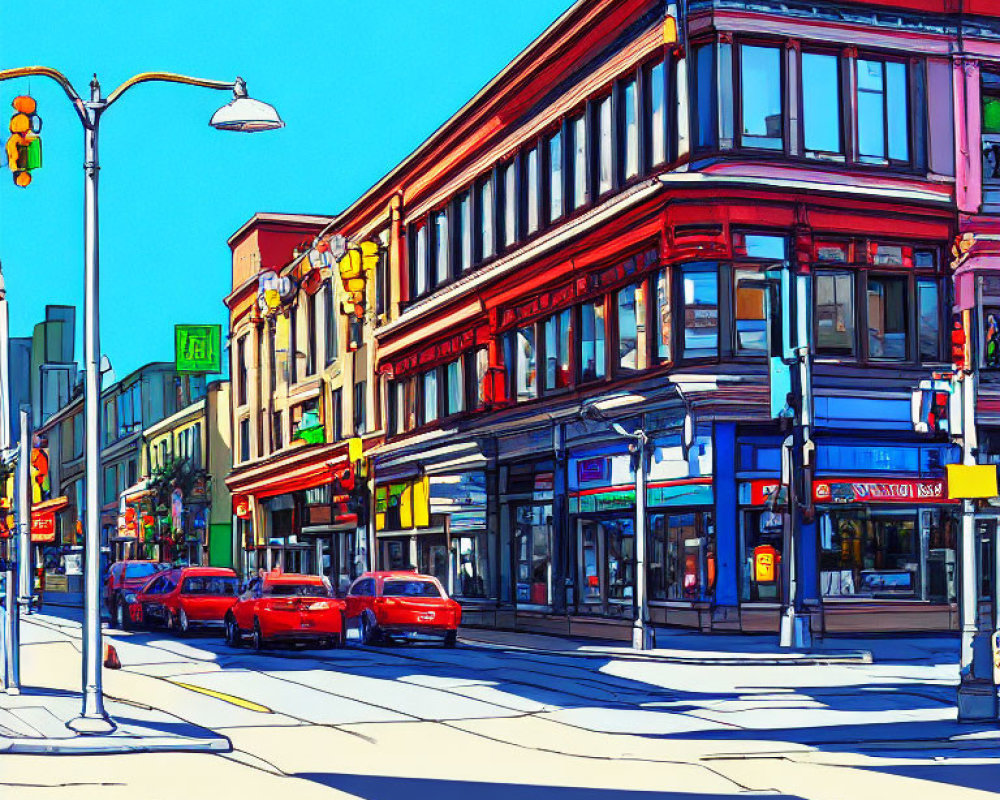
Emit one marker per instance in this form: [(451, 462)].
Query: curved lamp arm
[(54, 74), (172, 77)]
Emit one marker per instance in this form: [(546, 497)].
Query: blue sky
[(359, 85)]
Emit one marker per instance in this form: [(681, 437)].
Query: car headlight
[(130, 598)]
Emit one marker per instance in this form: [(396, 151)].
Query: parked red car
[(184, 598), (124, 577), (404, 604), (288, 608)]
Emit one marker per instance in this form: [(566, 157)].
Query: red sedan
[(124, 578), (390, 604), (184, 598), (279, 607)]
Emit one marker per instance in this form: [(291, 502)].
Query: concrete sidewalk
[(687, 647)]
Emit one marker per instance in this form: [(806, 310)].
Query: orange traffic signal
[(24, 147)]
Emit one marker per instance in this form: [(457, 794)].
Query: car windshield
[(140, 570), (296, 590), (410, 589), (212, 585)]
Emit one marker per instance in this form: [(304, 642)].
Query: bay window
[(705, 103), (603, 143), (455, 387), (579, 128), (883, 111), (662, 325), (520, 356), (629, 151), (592, 338), (761, 106), (429, 396), (555, 176), (480, 367), (510, 204), (834, 292), (821, 105), (750, 317), (700, 283), (887, 318), (442, 267), (557, 348), (531, 190), (632, 328)]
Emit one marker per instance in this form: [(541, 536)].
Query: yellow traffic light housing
[(24, 147)]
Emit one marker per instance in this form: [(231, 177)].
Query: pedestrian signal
[(24, 147)]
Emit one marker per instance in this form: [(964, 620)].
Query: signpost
[(198, 348)]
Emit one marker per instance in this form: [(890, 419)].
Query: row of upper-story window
[(123, 411), (608, 142), (888, 311), (183, 444), (810, 101)]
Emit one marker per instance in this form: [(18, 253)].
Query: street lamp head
[(244, 114)]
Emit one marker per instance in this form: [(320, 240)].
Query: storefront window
[(681, 564), (621, 559), (557, 333), (590, 563), (762, 542), (533, 554), (869, 553), (432, 556), (887, 318), (470, 565), (396, 553), (592, 335)]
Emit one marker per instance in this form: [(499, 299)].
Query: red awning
[(302, 470)]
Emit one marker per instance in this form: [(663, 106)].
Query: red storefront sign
[(241, 506), (762, 490), (875, 491), (43, 526)]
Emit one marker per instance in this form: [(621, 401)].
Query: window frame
[(908, 93), (737, 93)]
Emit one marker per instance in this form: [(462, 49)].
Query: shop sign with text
[(876, 491)]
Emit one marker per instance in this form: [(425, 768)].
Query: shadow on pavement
[(377, 787)]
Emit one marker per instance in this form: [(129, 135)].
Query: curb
[(109, 745), (791, 660)]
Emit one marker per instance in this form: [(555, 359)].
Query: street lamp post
[(241, 114)]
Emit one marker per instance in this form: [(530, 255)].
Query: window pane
[(456, 387), (701, 313), (834, 314), (441, 247), (592, 335), (579, 161), (604, 121), (557, 374), (486, 218), (531, 181), (630, 127), (631, 322), (555, 177), (525, 368), (887, 318), (871, 111), (760, 76), (821, 103), (399, 399), (751, 319), (705, 66), (657, 115), (930, 332), (663, 315), (510, 204), (420, 262), (899, 140), (464, 232), (430, 396), (482, 365)]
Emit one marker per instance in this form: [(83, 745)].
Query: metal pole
[(640, 634), (93, 719), (969, 607), (25, 585), (6, 632)]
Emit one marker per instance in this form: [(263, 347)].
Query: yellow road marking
[(226, 698)]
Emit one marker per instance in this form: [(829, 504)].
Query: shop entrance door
[(395, 553), (432, 556), (533, 555)]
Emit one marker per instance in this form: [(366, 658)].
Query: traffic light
[(358, 260), (24, 147), (959, 346)]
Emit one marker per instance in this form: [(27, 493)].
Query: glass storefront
[(533, 554), (432, 556), (470, 565), (606, 562), (763, 535), (681, 558)]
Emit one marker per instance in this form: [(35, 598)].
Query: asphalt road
[(415, 721)]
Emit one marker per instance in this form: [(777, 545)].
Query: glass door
[(533, 554), (590, 549), (432, 556)]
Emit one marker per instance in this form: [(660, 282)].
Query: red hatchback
[(287, 607), (405, 604), (125, 577), (184, 598)]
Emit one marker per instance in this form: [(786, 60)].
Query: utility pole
[(11, 679), (25, 584)]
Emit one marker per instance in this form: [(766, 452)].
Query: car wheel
[(183, 623), (450, 638), (122, 618), (233, 638), (366, 628), (257, 638)]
